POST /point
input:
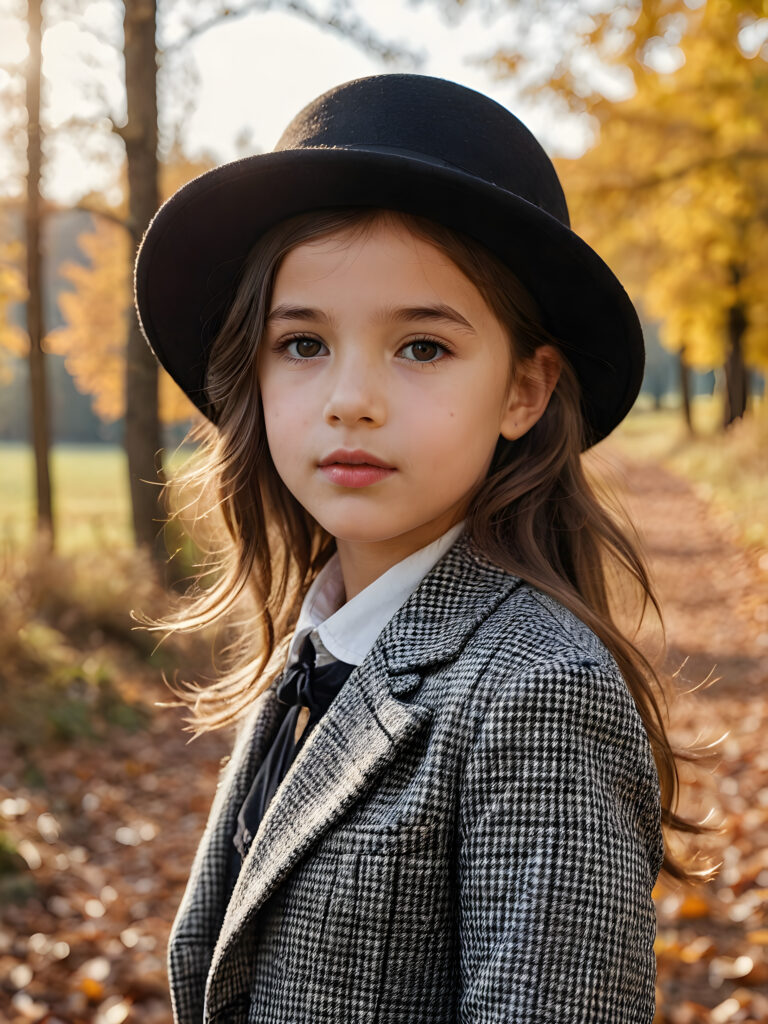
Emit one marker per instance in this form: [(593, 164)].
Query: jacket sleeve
[(559, 847)]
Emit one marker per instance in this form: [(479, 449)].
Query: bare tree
[(736, 376), (142, 420), (685, 388), (35, 326)]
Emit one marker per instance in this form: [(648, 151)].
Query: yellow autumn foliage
[(97, 309), (674, 195), (13, 340), (93, 339)]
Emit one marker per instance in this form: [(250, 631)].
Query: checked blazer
[(471, 833)]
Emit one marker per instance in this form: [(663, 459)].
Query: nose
[(355, 393)]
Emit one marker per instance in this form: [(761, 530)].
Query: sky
[(231, 90)]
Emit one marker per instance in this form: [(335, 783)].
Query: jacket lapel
[(362, 732), (200, 913), (357, 737)]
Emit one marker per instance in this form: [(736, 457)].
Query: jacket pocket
[(425, 839), (367, 931)]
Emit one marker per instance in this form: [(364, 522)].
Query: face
[(378, 350)]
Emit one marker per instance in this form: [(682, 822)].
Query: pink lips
[(356, 468)]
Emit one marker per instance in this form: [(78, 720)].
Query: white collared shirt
[(347, 631)]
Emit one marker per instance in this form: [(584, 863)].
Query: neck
[(362, 562)]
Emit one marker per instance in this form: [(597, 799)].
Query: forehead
[(383, 256)]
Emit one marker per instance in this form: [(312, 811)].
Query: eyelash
[(282, 346)]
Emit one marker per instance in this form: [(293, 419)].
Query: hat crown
[(437, 121)]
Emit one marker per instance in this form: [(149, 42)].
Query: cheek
[(283, 414), (461, 433), (442, 434), (279, 429), (469, 416)]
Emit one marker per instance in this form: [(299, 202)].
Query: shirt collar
[(348, 631)]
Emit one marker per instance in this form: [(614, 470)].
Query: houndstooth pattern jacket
[(470, 834)]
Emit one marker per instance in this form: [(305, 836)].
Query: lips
[(358, 457), (354, 469)]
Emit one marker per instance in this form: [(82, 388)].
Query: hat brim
[(192, 253)]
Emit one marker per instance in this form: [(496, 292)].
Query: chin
[(358, 535), (360, 529)]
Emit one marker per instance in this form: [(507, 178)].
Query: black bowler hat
[(406, 142)]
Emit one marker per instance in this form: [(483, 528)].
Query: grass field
[(90, 495), (91, 482)]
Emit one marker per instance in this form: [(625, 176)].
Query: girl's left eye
[(424, 348)]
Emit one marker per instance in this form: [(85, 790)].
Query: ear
[(533, 382)]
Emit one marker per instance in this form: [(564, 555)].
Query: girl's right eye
[(306, 348)]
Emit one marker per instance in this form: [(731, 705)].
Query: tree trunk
[(685, 389), (736, 379), (41, 434), (142, 419)]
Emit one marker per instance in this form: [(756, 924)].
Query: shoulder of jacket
[(546, 661), (550, 698), (534, 648), (536, 629)]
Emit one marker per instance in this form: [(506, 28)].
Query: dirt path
[(714, 594), (712, 940)]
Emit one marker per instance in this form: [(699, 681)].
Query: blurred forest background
[(665, 167)]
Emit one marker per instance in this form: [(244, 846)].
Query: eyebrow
[(439, 313)]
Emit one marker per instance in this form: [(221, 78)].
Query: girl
[(446, 796)]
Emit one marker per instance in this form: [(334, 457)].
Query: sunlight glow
[(13, 41), (233, 89), (82, 74), (63, 66), (753, 37), (61, 44)]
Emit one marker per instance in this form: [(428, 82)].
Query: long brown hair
[(536, 514)]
